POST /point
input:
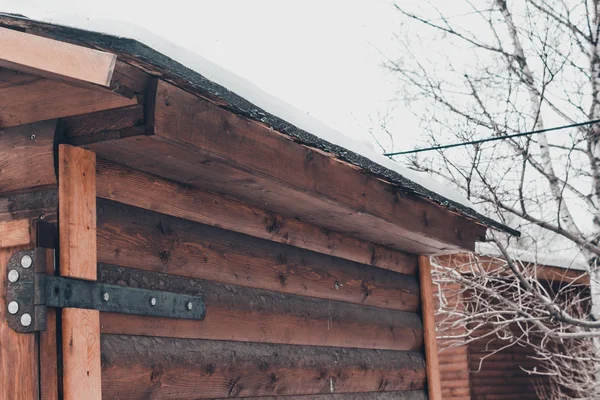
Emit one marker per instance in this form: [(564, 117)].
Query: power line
[(493, 139)]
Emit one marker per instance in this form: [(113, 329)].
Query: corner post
[(434, 385)]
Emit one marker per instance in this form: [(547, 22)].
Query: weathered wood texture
[(48, 345), (26, 157), (55, 59), (29, 205), (15, 233), (77, 235), (136, 367), (265, 316), (18, 352), (137, 238), (404, 395), (120, 183), (431, 350), (209, 147), (38, 99)]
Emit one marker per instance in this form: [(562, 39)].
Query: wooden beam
[(137, 367), (129, 186), (77, 235), (431, 350), (404, 395), (27, 157), (207, 147), (141, 239), (54, 59), (37, 99), (267, 317), (37, 204)]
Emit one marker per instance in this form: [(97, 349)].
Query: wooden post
[(18, 351), (434, 384), (77, 235)]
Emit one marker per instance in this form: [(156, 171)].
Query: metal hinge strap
[(30, 291)]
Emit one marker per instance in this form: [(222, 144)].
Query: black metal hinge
[(30, 290)]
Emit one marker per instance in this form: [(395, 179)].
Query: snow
[(567, 258), (250, 92)]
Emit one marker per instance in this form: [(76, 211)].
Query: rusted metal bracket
[(30, 291)]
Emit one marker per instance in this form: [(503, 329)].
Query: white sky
[(324, 57)]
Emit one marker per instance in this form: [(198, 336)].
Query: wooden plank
[(38, 204), (138, 238), (15, 233), (404, 395), (24, 149), (54, 59), (137, 367), (431, 350), (77, 235), (267, 317), (126, 185), (18, 352), (192, 121), (48, 352), (43, 99)]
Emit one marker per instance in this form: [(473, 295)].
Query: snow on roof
[(303, 126), (570, 258)]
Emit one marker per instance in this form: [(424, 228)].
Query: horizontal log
[(29, 205), (38, 99), (404, 395), (126, 185), (209, 147), (138, 367), (15, 233), (142, 239), (55, 59), (266, 316)]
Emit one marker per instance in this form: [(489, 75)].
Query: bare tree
[(492, 68)]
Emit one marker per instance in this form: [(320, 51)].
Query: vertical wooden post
[(434, 385), (77, 235)]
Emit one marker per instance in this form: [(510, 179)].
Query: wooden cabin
[(167, 231), (489, 368)]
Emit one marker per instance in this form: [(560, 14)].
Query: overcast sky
[(323, 57)]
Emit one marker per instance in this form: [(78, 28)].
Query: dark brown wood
[(126, 185), (104, 125), (29, 205), (404, 395), (137, 367), (138, 238), (77, 235), (48, 348), (25, 149), (130, 77), (207, 147), (43, 99), (268, 317)]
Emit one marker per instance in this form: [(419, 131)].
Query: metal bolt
[(26, 261), (189, 306), (152, 301), (32, 136), (25, 319), (13, 307), (43, 216), (13, 275), (105, 296)]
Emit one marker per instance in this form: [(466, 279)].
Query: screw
[(13, 275), (13, 307), (43, 216), (25, 319), (152, 301), (105, 296), (32, 136), (189, 306), (26, 261)]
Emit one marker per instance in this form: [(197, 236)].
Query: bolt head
[(25, 319), (105, 296), (189, 306), (13, 307), (33, 136), (152, 301), (13, 275), (26, 261)]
